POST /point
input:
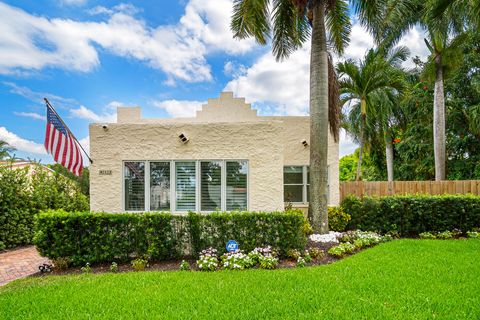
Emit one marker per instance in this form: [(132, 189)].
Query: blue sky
[(88, 57)]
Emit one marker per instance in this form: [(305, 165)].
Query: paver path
[(19, 263)]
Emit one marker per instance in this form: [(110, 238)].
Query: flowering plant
[(300, 262), (268, 262), (236, 261), (208, 260)]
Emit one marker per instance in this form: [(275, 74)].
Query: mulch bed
[(175, 265)]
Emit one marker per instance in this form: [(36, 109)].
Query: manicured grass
[(404, 279)]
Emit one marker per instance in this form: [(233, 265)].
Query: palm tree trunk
[(317, 213), (363, 106), (389, 155), (439, 121)]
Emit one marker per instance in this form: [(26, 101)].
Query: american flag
[(61, 144)]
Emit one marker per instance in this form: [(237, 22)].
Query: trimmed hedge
[(412, 215), (104, 237)]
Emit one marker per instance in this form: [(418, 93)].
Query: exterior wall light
[(183, 137), (305, 143)]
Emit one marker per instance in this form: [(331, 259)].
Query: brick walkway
[(19, 263)]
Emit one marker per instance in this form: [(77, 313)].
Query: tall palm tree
[(444, 23), (360, 82), (5, 150), (291, 23)]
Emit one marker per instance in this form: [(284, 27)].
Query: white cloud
[(360, 42), (179, 108), (37, 97), (32, 42), (234, 69), (84, 113), (414, 40), (283, 85), (20, 143), (32, 115), (347, 145), (85, 143), (73, 2)]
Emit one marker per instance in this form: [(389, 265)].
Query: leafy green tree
[(370, 84), (444, 34), (82, 181), (348, 167)]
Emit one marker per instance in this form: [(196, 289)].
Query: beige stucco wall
[(296, 129), (207, 141), (226, 128)]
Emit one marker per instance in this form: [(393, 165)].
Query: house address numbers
[(105, 172)]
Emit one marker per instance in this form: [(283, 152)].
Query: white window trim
[(173, 186), (305, 184)]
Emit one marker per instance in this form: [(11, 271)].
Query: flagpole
[(70, 132)]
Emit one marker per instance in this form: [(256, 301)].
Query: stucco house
[(225, 158)]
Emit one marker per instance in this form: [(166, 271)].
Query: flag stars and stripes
[(61, 144)]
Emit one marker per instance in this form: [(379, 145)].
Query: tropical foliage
[(410, 124)]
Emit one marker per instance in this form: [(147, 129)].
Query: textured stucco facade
[(226, 128)]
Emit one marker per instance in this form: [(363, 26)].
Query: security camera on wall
[(183, 137)]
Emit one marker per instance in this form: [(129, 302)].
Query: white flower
[(329, 237)]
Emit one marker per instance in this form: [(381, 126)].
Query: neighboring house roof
[(21, 163)]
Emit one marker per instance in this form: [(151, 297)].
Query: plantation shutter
[(211, 185), (237, 172), (185, 185), (134, 179), (159, 185)]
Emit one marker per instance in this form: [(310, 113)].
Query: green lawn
[(404, 279)]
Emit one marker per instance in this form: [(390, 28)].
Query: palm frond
[(251, 18), (337, 21), (290, 28)]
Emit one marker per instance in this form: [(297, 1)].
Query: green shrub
[(473, 234), (86, 268), (114, 267), (445, 235), (104, 237), (412, 215), (280, 230), (61, 263), (316, 253), (338, 219), (300, 262), (268, 262), (139, 264), (184, 266), (24, 192), (294, 254), (427, 235)]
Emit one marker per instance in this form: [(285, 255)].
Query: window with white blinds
[(186, 185), (134, 180), (236, 192), (296, 184), (211, 185), (180, 186), (160, 185), (293, 183)]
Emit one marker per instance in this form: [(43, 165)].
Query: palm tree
[(445, 24), (289, 23), (5, 150), (378, 73)]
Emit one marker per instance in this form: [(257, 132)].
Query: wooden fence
[(384, 188)]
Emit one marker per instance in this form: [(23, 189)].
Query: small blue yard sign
[(232, 246)]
